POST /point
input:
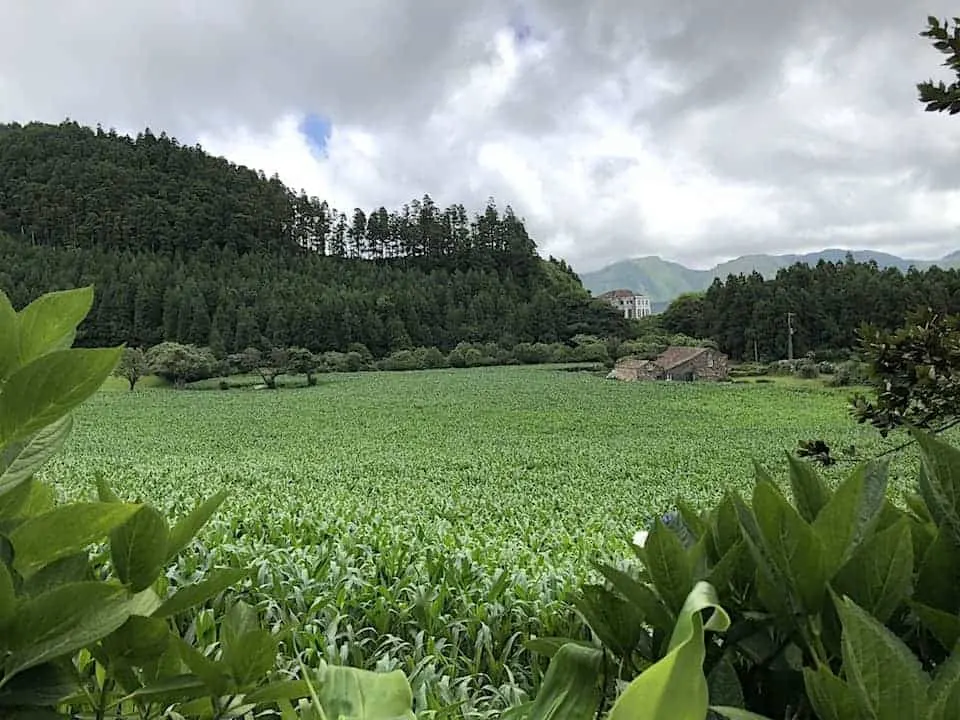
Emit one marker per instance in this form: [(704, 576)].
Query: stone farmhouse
[(631, 304), (674, 363)]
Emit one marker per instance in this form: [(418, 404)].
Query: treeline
[(71, 186), (747, 316), (184, 247), (181, 363)]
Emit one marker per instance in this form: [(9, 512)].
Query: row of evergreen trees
[(68, 185), (747, 315)]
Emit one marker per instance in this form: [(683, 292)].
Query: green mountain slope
[(183, 246), (663, 280)]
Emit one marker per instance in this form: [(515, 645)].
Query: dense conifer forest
[(183, 246), (827, 304)]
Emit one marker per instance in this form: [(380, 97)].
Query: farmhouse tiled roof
[(677, 355)]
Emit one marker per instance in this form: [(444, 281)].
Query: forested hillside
[(187, 247), (663, 280), (828, 301)]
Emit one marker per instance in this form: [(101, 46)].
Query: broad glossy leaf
[(40, 686), (669, 565), (188, 526), (731, 568), (8, 598), (724, 684), (140, 640), (792, 544), (851, 515), (279, 690), (66, 619), (251, 655), (726, 525), (21, 460), (831, 697), (68, 569), (364, 695), (138, 548), (50, 322), (940, 480), (675, 687), (651, 607), (570, 689), (189, 595), (944, 692), (618, 623), (213, 674), (51, 386), (810, 494), (939, 574), (879, 575), (944, 626), (884, 675), (240, 620), (9, 338), (170, 689), (28, 499), (64, 530), (769, 573)]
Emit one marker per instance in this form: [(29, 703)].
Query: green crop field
[(430, 520)]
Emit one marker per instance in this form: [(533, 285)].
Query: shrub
[(837, 604), (849, 373), (180, 364), (533, 353), (807, 369), (748, 370), (401, 360)]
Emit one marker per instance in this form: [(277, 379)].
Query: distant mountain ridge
[(663, 280)]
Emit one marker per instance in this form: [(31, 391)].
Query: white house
[(629, 303)]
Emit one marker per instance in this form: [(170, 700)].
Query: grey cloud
[(192, 68), (186, 68)]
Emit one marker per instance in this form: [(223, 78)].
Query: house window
[(709, 360)]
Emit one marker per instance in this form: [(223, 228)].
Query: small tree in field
[(181, 364), (269, 366), (133, 365), (301, 361)]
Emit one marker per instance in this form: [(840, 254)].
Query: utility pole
[(790, 332)]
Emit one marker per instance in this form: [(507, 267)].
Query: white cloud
[(616, 130)]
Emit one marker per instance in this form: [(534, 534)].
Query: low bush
[(835, 604)]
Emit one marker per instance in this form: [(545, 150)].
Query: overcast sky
[(696, 130)]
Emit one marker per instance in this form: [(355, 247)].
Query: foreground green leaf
[(21, 460), (884, 675), (10, 333), (675, 686), (851, 515), (50, 322), (64, 530), (353, 694), (570, 689), (65, 619), (49, 387), (138, 547)]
